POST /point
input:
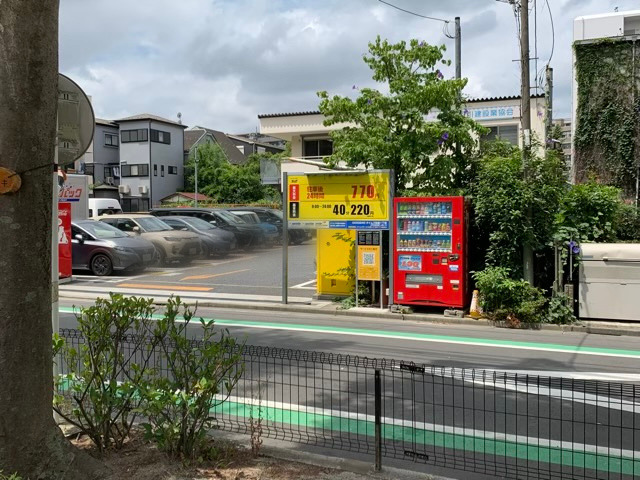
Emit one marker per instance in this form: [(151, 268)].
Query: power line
[(414, 13), (553, 32)]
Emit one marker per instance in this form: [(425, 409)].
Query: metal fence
[(497, 423)]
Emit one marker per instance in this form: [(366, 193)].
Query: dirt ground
[(139, 460)]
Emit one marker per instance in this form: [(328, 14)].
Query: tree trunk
[(30, 442)]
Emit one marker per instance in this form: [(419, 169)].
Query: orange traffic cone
[(474, 310)]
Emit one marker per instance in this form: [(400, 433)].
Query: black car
[(274, 217), (215, 241), (247, 236)]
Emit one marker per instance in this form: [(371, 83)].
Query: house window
[(87, 168), (111, 139), (158, 136), (507, 133), (173, 170), (155, 170), (139, 135), (162, 170), (317, 148), (112, 171), (138, 170), (135, 204)]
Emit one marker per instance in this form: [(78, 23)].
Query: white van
[(103, 206)]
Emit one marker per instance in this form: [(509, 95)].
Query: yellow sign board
[(369, 262), (339, 200)]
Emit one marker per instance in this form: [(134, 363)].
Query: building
[(564, 125), (105, 168), (185, 197), (310, 139), (603, 33), (236, 148), (263, 139), (151, 160)]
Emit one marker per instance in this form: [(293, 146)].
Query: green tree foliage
[(223, 182), (502, 198), (392, 131)]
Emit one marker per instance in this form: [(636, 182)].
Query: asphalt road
[(255, 273), (515, 425)]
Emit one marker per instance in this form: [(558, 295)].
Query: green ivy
[(608, 113)]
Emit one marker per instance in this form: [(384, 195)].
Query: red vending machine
[(430, 264)]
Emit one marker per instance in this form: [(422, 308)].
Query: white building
[(591, 28), (311, 141)]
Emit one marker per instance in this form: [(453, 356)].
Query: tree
[(393, 130), (30, 442), (223, 182)]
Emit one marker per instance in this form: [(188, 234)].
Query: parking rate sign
[(339, 200)]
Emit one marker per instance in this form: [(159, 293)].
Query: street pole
[(196, 175), (549, 114), (525, 115), (458, 49), (285, 238)]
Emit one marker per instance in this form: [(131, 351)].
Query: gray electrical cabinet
[(610, 281)]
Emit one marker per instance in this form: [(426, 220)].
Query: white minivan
[(103, 206)]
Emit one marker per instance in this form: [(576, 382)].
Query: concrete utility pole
[(549, 114), (525, 115), (458, 49)]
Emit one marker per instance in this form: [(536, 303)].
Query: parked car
[(270, 232), (215, 241), (247, 236), (103, 206), (101, 248), (275, 217), (171, 245)]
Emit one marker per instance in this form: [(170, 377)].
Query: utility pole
[(549, 114), (525, 115), (458, 49), (195, 162)]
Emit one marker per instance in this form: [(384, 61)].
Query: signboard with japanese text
[(64, 240), (339, 200)]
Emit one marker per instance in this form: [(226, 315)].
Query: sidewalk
[(300, 305)]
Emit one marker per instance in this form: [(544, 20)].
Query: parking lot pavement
[(256, 273)]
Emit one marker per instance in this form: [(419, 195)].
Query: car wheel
[(162, 258), (101, 265)]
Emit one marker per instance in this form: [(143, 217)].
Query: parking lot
[(243, 275)]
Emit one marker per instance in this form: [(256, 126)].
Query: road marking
[(203, 277), (305, 285), (574, 454), (430, 338), (166, 287)]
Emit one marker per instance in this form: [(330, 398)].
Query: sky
[(221, 63)]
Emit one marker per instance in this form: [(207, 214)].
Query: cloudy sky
[(222, 62)]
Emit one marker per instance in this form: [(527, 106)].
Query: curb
[(587, 327)]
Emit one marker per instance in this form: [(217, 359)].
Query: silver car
[(101, 248)]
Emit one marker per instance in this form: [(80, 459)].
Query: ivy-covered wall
[(607, 133)]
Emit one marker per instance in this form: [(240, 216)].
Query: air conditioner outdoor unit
[(143, 189), (109, 180), (125, 189)]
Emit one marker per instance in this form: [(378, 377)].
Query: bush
[(104, 378), (627, 224), (505, 299), (201, 375)]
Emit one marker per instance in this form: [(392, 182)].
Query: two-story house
[(151, 160)]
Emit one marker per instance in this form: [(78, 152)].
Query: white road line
[(305, 285), (529, 386)]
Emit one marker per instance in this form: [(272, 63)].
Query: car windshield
[(229, 217), (102, 231), (278, 214), (248, 217), (198, 223), (152, 224)]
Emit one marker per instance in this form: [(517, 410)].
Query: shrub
[(201, 374), (627, 224), (505, 299), (106, 373)]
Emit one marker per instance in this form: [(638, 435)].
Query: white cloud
[(222, 62)]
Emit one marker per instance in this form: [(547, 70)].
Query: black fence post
[(378, 421)]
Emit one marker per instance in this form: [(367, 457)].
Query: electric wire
[(414, 13)]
